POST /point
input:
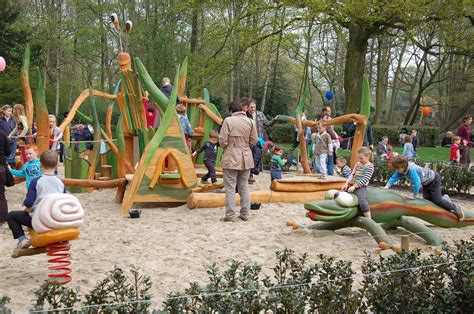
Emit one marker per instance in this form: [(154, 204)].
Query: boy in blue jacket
[(38, 189), (31, 169), (426, 178)]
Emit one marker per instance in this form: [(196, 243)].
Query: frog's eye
[(345, 199), (128, 26), (331, 194)]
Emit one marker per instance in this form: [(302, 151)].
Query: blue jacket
[(417, 176), (30, 170), (186, 125)]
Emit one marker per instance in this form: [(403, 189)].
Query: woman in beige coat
[(238, 132)]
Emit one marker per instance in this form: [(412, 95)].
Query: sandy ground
[(174, 245)]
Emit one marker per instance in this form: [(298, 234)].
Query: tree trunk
[(383, 63), (267, 78), (354, 67), (393, 100), (58, 80)]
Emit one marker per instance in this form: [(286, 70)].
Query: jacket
[(417, 175), (238, 132)]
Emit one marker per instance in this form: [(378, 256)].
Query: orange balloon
[(426, 111)]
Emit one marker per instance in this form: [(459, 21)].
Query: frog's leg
[(377, 232), (331, 225), (421, 230)]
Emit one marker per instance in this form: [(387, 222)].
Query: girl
[(360, 177), (55, 133), (21, 128), (408, 150)]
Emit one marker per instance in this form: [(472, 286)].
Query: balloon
[(426, 111), (3, 64), (329, 95)]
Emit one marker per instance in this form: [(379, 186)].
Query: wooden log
[(405, 243), (205, 200), (106, 171), (211, 114), (97, 175), (207, 187), (306, 186), (120, 194), (110, 184), (104, 178)]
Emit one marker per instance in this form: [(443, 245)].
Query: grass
[(425, 154)]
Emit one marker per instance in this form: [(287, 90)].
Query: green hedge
[(453, 178), (427, 136)]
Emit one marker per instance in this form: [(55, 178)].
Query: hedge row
[(427, 136), (404, 282)]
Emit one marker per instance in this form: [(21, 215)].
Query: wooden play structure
[(305, 187)]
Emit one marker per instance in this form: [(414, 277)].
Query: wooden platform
[(307, 183)]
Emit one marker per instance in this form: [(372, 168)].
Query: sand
[(174, 245)]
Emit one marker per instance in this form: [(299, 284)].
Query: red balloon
[(426, 111)]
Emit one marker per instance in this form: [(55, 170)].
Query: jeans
[(240, 179), (3, 200), (432, 192), (211, 171), (330, 164), (321, 163), (15, 220), (11, 158), (275, 174)]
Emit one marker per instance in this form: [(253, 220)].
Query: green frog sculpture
[(389, 210)]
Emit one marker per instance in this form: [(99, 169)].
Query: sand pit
[(174, 245)]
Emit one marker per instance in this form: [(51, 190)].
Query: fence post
[(406, 243)]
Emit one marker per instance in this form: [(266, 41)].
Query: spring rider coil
[(59, 252)]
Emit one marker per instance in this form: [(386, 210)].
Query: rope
[(209, 294)]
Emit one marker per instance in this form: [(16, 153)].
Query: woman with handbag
[(4, 151)]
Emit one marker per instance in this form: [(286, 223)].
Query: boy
[(31, 169), (322, 147), (345, 169), (277, 163), (455, 153), (210, 156), (425, 177), (39, 188), (185, 124)]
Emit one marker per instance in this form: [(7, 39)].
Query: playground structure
[(389, 210), (55, 222)]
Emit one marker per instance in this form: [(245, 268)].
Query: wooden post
[(106, 171), (406, 243)]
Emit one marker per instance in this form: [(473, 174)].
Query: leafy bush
[(4, 300), (453, 178), (283, 133), (117, 291), (403, 282)]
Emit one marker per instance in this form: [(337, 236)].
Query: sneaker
[(323, 177), (204, 181), (227, 219), (244, 218), (459, 212), (251, 179), (446, 197), (23, 244)]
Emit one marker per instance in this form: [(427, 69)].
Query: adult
[(447, 140), (261, 121), (7, 125), (464, 132), (237, 134), (326, 116), (166, 87), (382, 148), (350, 127), (4, 151), (55, 134)]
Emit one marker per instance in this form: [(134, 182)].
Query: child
[(414, 141), (408, 150), (31, 169), (455, 154), (185, 125), (277, 163), (55, 133), (39, 188), (342, 164), (422, 177), (210, 156), (360, 177), (322, 147)]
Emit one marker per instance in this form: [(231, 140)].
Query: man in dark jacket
[(166, 88)]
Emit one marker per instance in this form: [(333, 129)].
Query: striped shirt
[(361, 174), (346, 171)]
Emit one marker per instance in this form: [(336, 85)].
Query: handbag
[(9, 181)]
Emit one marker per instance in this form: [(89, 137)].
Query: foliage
[(453, 178), (119, 288), (283, 133), (427, 136), (56, 296), (117, 293), (4, 300), (404, 282)]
